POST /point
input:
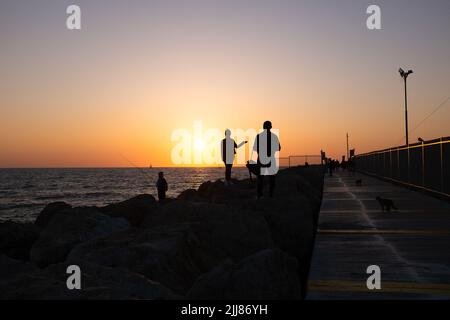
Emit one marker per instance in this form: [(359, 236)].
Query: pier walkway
[(411, 246)]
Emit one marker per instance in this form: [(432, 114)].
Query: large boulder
[(16, 239), (161, 254), (69, 228), (46, 215), (134, 209), (218, 192), (189, 194), (267, 275), (223, 231), (24, 281), (207, 188)]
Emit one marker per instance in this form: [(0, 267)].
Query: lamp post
[(404, 75), (348, 154)]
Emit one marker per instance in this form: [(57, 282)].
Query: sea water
[(25, 192)]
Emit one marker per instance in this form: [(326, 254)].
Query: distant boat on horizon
[(150, 166)]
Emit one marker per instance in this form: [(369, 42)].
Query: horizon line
[(124, 167)]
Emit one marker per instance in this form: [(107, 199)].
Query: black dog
[(386, 204)]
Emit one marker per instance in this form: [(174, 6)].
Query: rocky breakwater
[(215, 242)]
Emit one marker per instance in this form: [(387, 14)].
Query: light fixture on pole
[(404, 74)]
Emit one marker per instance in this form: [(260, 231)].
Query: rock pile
[(215, 242)]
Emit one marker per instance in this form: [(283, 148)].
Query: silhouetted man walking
[(266, 145)]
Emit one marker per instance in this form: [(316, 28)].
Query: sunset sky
[(138, 70)]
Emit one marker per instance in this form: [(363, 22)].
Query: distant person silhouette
[(161, 186), (344, 164), (228, 151), (330, 167), (351, 165), (266, 145)]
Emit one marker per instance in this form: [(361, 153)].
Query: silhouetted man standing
[(330, 166), (266, 145), (161, 186), (228, 150)]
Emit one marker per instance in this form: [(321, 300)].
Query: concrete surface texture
[(411, 245)]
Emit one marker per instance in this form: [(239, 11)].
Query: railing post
[(390, 163), (409, 177), (442, 166), (423, 165)]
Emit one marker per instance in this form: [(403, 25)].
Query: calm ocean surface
[(25, 192)]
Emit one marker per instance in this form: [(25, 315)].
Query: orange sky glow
[(112, 94)]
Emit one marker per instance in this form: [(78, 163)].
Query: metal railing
[(299, 160), (424, 165)]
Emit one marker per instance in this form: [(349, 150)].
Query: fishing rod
[(443, 103), (133, 165)]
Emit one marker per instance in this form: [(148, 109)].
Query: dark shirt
[(161, 185)]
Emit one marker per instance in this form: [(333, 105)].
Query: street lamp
[(404, 74)]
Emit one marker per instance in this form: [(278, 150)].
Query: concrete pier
[(410, 245)]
